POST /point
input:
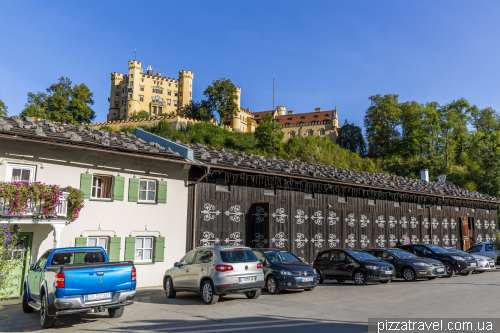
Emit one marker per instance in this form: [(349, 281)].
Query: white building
[(135, 192)]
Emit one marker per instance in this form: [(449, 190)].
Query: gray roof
[(241, 161), (45, 130)]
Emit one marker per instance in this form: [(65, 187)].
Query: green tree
[(197, 110), (140, 115), (381, 123), (351, 137), (35, 105), (485, 147), (267, 132), (3, 108), (485, 120), (221, 98)]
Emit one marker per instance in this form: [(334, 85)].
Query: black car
[(353, 265), (283, 270), (453, 262), (409, 266)]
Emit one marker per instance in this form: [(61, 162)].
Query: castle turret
[(185, 88), (281, 110), (132, 89)]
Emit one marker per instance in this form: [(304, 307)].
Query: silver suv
[(214, 272)]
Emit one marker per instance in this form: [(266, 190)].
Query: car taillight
[(133, 274), (59, 280), (224, 268), (259, 265)]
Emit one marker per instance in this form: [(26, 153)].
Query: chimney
[(317, 110), (290, 112), (424, 174)]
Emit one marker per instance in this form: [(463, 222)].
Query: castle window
[(292, 134), (117, 95), (180, 94), (176, 94), (321, 132), (190, 94), (175, 103), (141, 98), (123, 90), (131, 76), (130, 95), (168, 102), (310, 132), (142, 88), (116, 104), (169, 93)]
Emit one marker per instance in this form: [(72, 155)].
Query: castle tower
[(115, 96), (281, 110), (134, 75), (185, 88)]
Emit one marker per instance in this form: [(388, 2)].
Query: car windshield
[(437, 249), (361, 255), (400, 254), (281, 256), (77, 257), (236, 255), (453, 250), (475, 248)]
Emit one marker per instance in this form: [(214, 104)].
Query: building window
[(157, 90), (169, 92), (487, 211), (175, 103), (117, 95), (222, 184), (419, 206), (310, 132), (142, 88), (122, 100), (371, 201), (308, 195), (131, 76), (396, 204), (292, 134), (176, 94), (270, 190), (457, 209), (116, 104), (180, 94), (130, 95), (321, 132), (168, 102), (102, 187), (98, 241), (147, 190), (20, 173), (143, 249), (141, 98), (438, 207), (123, 90), (473, 210), (342, 198)]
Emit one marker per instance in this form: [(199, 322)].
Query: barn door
[(425, 230), (210, 224), (300, 232), (259, 225), (365, 230), (319, 231), (333, 227), (279, 226), (233, 223), (379, 230), (350, 230)]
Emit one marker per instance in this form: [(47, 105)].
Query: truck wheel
[(45, 320), (26, 307), (254, 294), (208, 293), (169, 288), (116, 312)]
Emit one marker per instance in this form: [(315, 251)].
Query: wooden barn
[(242, 199)]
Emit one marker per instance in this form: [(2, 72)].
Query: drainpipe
[(194, 205)]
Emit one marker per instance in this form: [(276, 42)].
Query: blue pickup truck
[(78, 279)]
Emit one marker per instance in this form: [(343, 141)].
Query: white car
[(483, 263), (486, 249)]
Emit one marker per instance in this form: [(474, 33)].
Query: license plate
[(440, 269), (388, 272), (472, 264), (306, 279), (97, 297), (247, 279)]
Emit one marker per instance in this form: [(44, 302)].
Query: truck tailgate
[(92, 279)]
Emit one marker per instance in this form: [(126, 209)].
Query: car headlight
[(458, 258), (372, 267), (283, 272), (315, 271), (420, 264)]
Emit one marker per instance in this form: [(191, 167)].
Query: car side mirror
[(31, 267), (176, 264)]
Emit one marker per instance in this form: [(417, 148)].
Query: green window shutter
[(114, 248), (80, 257), (86, 184), (162, 191), (129, 248), (119, 188), (133, 189), (159, 249)]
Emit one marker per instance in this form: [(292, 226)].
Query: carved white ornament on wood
[(380, 221), (209, 212), (350, 220), (363, 222), (317, 218), (332, 218), (279, 215), (300, 241), (301, 217), (350, 241), (279, 240), (234, 213), (234, 239), (259, 240), (333, 241), (260, 214), (209, 239)]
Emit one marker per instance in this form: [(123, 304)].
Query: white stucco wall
[(121, 217)]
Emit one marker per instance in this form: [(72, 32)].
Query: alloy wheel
[(449, 270), (207, 292), (271, 285), (359, 278), (168, 287), (408, 274)]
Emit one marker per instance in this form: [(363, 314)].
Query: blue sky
[(321, 53)]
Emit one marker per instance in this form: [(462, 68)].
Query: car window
[(437, 249), (383, 255), (236, 256), (77, 257), (188, 259), (337, 256), (402, 254), (260, 256), (204, 257), (373, 253), (324, 256), (475, 248), (419, 250), (281, 256), (43, 259), (488, 247), (361, 255)]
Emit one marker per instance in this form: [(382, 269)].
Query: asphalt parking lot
[(331, 307)]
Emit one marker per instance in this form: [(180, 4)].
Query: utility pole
[(274, 153)]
